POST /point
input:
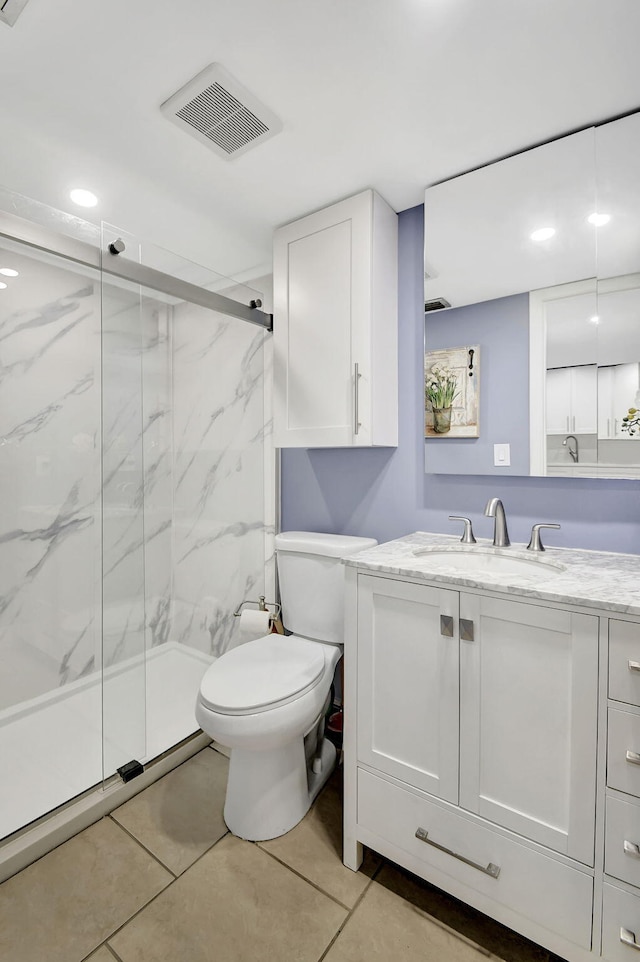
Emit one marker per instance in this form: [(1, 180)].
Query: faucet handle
[(467, 537), (535, 543)]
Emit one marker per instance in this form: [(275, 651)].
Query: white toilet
[(266, 700)]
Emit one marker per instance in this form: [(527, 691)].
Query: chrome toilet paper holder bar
[(262, 606)]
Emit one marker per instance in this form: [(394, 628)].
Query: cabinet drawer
[(622, 842), (624, 661), (539, 888), (620, 925), (623, 751)]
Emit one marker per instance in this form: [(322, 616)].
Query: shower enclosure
[(135, 499)]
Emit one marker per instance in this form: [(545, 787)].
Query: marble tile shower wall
[(183, 463), (220, 527), (49, 479)]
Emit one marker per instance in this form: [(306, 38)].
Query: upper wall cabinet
[(335, 327)]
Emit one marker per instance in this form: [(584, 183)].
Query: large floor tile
[(180, 816), (66, 904), (487, 933), (314, 848), (384, 926), (236, 904)]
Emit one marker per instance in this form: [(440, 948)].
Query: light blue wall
[(501, 330), (384, 493)]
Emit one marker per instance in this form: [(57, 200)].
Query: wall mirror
[(536, 259)]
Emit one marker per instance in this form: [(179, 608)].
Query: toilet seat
[(262, 674)]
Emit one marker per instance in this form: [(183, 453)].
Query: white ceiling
[(390, 94)]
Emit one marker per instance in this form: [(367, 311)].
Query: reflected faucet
[(572, 451), (495, 509)]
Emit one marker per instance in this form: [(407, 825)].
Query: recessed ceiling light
[(599, 220), (8, 272), (595, 319), (542, 234), (2, 285), (83, 198)]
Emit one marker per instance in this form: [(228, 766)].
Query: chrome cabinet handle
[(634, 665), (630, 848), (356, 399), (628, 938), (633, 758), (490, 869), (466, 630), (446, 626)]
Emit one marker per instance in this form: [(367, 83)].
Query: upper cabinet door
[(528, 719), (335, 327)]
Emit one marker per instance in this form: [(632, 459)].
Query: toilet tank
[(311, 576)]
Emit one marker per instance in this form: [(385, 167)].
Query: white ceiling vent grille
[(220, 113)]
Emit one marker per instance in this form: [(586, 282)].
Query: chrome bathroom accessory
[(535, 544), (572, 451), (467, 537), (262, 606), (495, 509)]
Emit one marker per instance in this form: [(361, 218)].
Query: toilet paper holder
[(262, 606)]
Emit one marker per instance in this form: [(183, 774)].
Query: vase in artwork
[(441, 420)]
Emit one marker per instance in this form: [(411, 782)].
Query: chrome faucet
[(495, 509), (572, 451)]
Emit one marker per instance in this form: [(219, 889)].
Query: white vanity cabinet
[(335, 327), (487, 741)]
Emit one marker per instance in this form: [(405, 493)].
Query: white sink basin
[(476, 560)]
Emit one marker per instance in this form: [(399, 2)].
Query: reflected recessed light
[(598, 220), (595, 319), (2, 285), (542, 234), (8, 272), (83, 198)]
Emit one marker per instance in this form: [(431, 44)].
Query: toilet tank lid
[(329, 545)]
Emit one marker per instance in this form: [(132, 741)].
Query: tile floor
[(161, 880)]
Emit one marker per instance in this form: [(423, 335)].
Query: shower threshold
[(52, 746)]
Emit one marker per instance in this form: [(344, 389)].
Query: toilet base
[(269, 792)]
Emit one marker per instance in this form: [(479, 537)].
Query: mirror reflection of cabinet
[(571, 400), (583, 369)]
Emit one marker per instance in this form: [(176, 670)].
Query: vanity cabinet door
[(407, 711), (528, 716)]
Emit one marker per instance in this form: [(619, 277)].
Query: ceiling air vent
[(220, 113), (436, 304), (10, 10)]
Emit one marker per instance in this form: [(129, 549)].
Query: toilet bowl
[(266, 700)]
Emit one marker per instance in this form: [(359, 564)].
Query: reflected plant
[(631, 422), (440, 387)]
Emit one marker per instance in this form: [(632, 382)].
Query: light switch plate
[(502, 455)]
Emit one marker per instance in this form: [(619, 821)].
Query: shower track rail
[(40, 238)]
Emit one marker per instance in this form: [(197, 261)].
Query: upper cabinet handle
[(356, 399)]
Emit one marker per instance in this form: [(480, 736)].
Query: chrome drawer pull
[(490, 869), (630, 848), (634, 665), (356, 399), (446, 626), (633, 757), (628, 938), (466, 630)]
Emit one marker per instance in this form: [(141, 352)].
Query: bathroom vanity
[(492, 732)]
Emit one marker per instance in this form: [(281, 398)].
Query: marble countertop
[(594, 579)]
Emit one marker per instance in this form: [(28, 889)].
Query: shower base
[(52, 746)]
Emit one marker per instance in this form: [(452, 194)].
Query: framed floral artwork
[(452, 393)]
